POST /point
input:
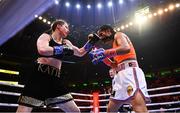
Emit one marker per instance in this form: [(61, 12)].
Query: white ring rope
[(170, 109), (102, 106), (162, 88), (162, 103), (82, 100), (8, 105), (101, 95), (90, 107), (85, 107), (164, 94), (10, 93), (12, 85), (102, 100), (80, 94), (80, 107)]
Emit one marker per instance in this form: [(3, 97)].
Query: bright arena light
[(118, 29), (78, 6), (99, 5), (35, 16), (160, 11), (122, 27), (56, 2), (67, 4), (130, 23), (155, 14), (40, 17), (49, 22), (120, 1), (171, 7), (140, 19), (110, 4), (166, 10), (44, 20), (177, 5), (149, 15), (88, 6)]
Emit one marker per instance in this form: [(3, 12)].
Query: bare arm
[(77, 51), (43, 45), (123, 46)]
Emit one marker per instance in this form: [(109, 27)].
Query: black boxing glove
[(63, 50), (92, 39)]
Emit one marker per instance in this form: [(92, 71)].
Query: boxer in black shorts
[(45, 85)]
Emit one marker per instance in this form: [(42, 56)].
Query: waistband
[(126, 64), (47, 69)]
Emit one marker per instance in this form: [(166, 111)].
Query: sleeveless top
[(52, 43), (130, 55)]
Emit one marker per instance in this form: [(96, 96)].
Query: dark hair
[(57, 22), (106, 27)]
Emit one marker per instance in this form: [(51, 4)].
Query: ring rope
[(10, 93), (8, 105), (103, 100), (82, 100), (161, 88), (164, 94), (152, 104), (101, 95), (80, 107), (80, 94), (170, 109), (13, 85), (85, 107), (162, 103)]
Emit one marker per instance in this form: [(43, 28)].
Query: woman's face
[(63, 29)]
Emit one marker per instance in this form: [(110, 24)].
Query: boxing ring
[(98, 102)]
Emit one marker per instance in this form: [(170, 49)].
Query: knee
[(111, 109), (21, 109)]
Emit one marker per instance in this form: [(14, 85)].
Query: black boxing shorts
[(43, 87)]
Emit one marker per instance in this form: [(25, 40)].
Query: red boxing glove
[(110, 63), (110, 53)]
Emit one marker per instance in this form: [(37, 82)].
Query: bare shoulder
[(44, 36), (120, 35)]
